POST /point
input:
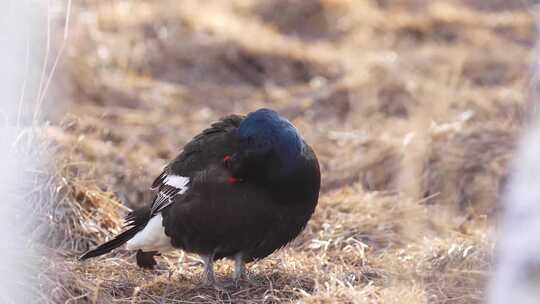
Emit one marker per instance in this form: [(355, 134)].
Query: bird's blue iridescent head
[(266, 136)]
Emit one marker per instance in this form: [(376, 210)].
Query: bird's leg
[(209, 278), (239, 268)]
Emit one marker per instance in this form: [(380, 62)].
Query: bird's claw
[(215, 285)]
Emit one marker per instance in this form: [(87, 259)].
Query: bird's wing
[(205, 149), (168, 185)]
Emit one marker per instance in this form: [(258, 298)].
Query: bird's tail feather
[(118, 241), (136, 221)]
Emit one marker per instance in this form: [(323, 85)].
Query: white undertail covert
[(152, 237)]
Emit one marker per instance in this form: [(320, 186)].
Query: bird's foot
[(239, 280), (214, 285), (226, 286), (236, 283)]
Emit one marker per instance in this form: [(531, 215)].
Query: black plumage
[(241, 189)]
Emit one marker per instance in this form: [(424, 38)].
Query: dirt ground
[(412, 106)]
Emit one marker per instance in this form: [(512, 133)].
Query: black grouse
[(241, 189)]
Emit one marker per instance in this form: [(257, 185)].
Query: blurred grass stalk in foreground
[(517, 275), (517, 278), (28, 64)]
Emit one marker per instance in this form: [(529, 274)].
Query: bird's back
[(207, 148)]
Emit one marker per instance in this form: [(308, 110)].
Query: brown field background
[(413, 107)]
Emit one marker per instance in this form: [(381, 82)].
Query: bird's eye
[(227, 161)]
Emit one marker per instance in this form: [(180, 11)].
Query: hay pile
[(412, 106)]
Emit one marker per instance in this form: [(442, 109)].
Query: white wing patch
[(152, 237), (179, 182), (171, 186)]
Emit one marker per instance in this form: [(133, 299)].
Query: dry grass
[(413, 107)]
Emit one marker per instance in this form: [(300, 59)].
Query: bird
[(241, 189)]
